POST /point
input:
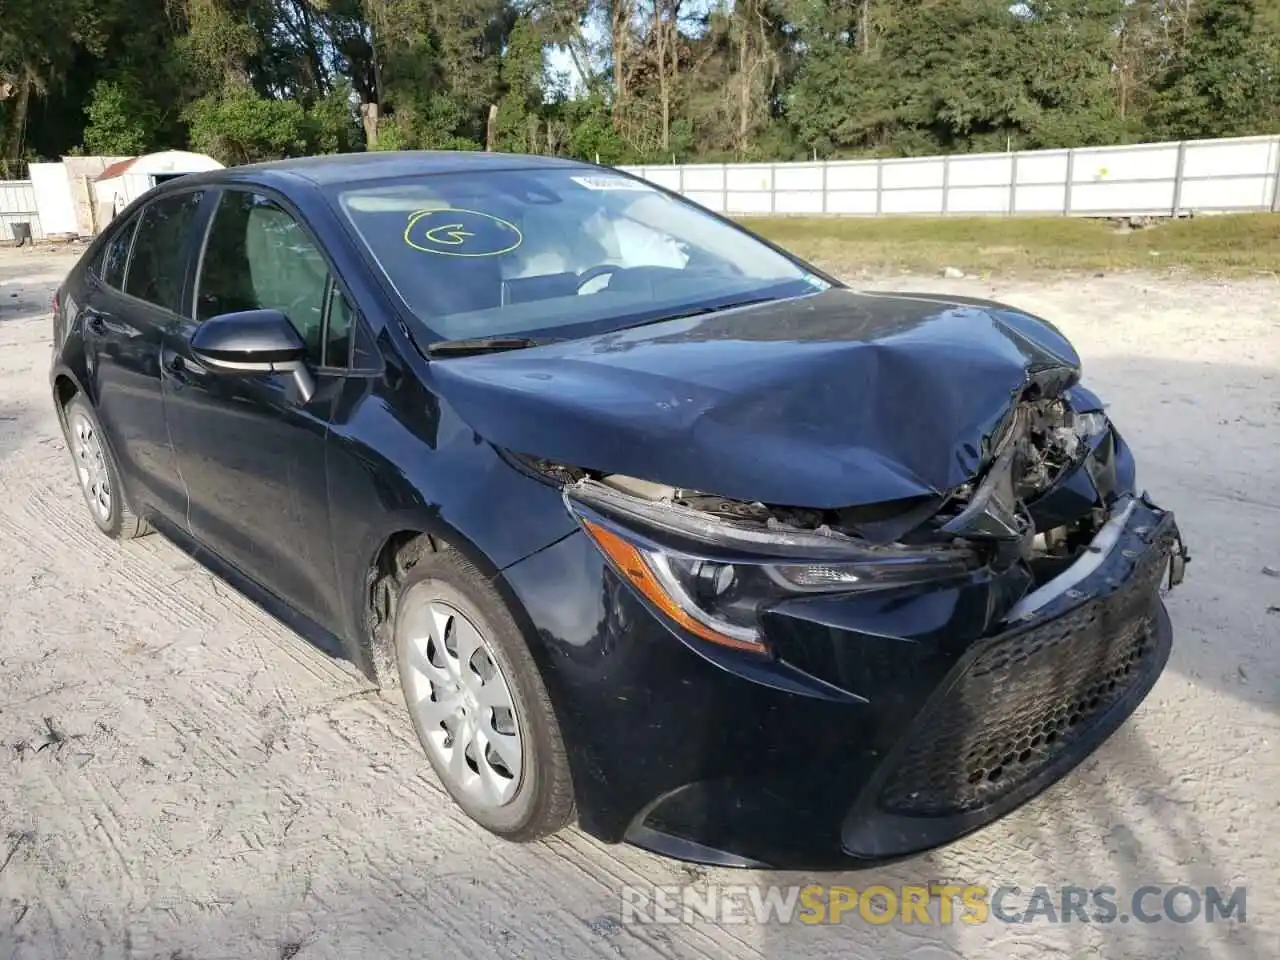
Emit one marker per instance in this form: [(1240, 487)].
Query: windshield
[(533, 252)]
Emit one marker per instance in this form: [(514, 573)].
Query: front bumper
[(1021, 708), (886, 724)]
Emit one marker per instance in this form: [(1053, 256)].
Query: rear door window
[(158, 263)]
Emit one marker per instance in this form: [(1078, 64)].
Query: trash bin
[(22, 232)]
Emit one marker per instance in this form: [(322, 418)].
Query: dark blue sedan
[(656, 527)]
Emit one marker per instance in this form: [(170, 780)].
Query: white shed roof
[(166, 161)]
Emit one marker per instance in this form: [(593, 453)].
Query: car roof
[(343, 168)]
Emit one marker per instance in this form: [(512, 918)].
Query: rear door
[(132, 295), (252, 452)]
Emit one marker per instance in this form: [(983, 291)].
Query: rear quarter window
[(115, 255)]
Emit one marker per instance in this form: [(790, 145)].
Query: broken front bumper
[(1021, 708), (884, 724)]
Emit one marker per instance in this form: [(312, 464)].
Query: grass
[(1230, 245)]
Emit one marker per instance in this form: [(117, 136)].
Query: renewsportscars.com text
[(934, 904)]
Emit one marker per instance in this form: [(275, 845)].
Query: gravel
[(183, 777)]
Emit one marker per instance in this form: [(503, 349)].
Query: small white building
[(78, 196), (121, 183)]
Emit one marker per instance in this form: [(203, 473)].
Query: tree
[(522, 74), (655, 79), (1225, 80), (38, 43), (120, 118), (242, 127)]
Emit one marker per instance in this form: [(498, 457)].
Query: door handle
[(176, 367)]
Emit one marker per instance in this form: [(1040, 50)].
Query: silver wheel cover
[(91, 465), (460, 699)]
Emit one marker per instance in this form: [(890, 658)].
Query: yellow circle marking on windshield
[(463, 233)]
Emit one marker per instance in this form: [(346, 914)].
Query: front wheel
[(477, 700)]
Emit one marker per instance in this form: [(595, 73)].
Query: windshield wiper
[(717, 308), (478, 345)]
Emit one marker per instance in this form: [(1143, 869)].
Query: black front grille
[(1025, 697)]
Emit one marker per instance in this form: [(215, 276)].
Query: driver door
[(250, 449)]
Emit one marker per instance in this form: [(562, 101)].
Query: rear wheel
[(98, 474), (477, 700)]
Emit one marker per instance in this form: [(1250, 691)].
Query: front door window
[(258, 257)]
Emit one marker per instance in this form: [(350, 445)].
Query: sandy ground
[(182, 777)]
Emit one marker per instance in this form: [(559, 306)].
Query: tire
[(98, 473), (441, 599)]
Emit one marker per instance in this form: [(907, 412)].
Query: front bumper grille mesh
[(1026, 696)]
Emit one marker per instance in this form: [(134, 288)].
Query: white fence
[(1153, 179), (18, 205)]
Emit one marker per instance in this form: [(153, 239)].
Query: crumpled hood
[(832, 400)]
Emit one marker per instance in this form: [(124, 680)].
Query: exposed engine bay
[(1040, 443)]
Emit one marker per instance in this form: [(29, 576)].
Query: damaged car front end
[(653, 524), (866, 680)]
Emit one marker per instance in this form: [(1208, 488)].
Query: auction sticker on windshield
[(612, 183)]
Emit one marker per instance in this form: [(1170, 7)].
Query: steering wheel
[(599, 270)]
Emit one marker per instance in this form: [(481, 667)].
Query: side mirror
[(254, 341)]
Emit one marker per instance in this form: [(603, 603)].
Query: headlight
[(1089, 425), (714, 577)]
